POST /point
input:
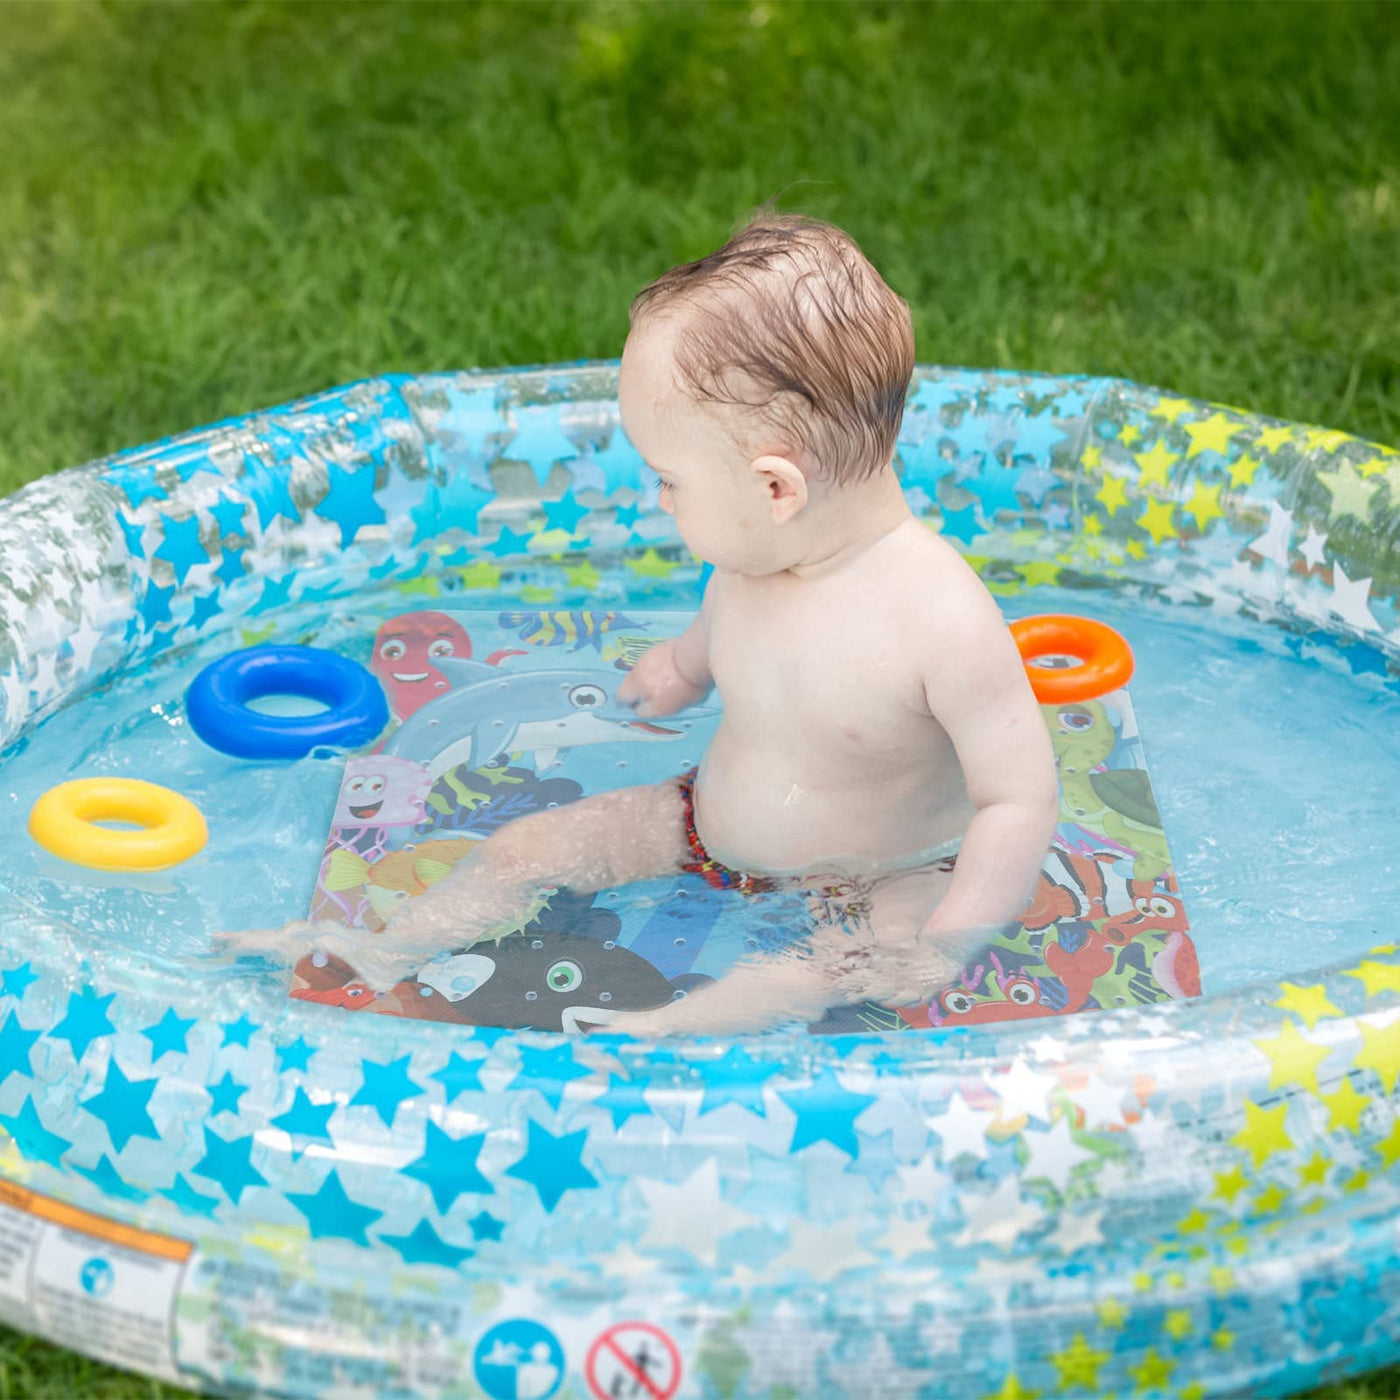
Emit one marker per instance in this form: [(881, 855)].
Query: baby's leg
[(865, 945), (614, 838)]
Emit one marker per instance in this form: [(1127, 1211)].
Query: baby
[(876, 716)]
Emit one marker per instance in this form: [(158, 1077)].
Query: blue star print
[(448, 1167), (453, 506), (155, 605), (332, 1214), (736, 1077), (181, 548), (205, 609), (122, 1106), (239, 1032), (564, 514), (507, 543), (548, 1071), (110, 1181), (228, 515), (305, 1121), (458, 1075), (825, 1113), (386, 1087), (267, 488), (539, 441), (230, 568), (275, 592), (552, 1164), (229, 1162), (189, 1200), (350, 501), (84, 1021), (297, 1055), (876, 1162), (138, 482), (35, 1142), (961, 524), (623, 1099), (135, 533), (18, 980), (226, 1094), (169, 1033), (425, 1246), (15, 1046), (485, 1226), (621, 463), (995, 488)]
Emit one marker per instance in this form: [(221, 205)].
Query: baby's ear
[(784, 484)]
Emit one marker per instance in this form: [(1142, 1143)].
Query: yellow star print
[(1314, 1171), (1204, 504), (1092, 456), (1229, 1184), (1136, 550), (1195, 1222), (1271, 439), (1328, 439), (1389, 1145), (1111, 493), (1377, 466), (1112, 1313), (251, 636), (1243, 470), (1380, 1049), (1351, 492), (1155, 1371), (1377, 976), (1222, 1340), (481, 574), (1310, 1003), (1359, 1182), (1012, 1390), (1263, 1133), (1177, 1323), (1194, 1391), (652, 565), (429, 585), (1157, 520), (1079, 1363), (1294, 1057), (1211, 434), (1039, 571), (1170, 409), (1156, 463), (534, 593), (1269, 1201), (1222, 1279), (583, 575), (1093, 525), (1130, 434), (1345, 1108)]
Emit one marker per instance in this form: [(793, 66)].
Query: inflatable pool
[(214, 1183)]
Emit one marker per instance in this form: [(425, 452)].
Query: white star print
[(1076, 1229), (1023, 1091), (690, 1216), (1349, 600), (1054, 1154), (1273, 543), (1100, 1102), (823, 1251), (999, 1218), (962, 1129), (1311, 548)]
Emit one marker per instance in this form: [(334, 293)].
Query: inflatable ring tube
[(1197, 1197), (64, 821), (219, 697), (1105, 658)]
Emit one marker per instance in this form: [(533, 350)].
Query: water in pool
[(1275, 775)]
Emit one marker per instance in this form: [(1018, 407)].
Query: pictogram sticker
[(633, 1361)]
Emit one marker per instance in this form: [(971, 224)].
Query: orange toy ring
[(1105, 658)]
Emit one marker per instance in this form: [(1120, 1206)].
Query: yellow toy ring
[(1105, 658), (64, 821)]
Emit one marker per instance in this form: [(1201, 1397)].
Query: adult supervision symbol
[(633, 1361)]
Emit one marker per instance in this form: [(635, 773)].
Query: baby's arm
[(975, 686), (673, 674)]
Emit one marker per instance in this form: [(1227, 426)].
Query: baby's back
[(827, 747)]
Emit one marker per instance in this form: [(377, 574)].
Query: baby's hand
[(656, 685)]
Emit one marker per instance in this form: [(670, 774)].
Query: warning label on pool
[(633, 1359), (88, 1282)]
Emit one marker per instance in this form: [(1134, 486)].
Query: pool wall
[(239, 1192)]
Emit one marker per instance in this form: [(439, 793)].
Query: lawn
[(211, 208)]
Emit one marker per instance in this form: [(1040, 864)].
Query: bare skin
[(875, 712)]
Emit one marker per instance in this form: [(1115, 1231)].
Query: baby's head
[(764, 385)]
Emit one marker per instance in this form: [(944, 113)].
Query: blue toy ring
[(218, 700)]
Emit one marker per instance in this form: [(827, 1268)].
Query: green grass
[(210, 208)]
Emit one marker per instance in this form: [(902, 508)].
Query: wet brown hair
[(789, 319)]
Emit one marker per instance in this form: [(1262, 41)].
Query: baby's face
[(707, 483)]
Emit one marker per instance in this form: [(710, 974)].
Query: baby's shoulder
[(935, 588)]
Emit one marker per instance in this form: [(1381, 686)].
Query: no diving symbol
[(633, 1361)]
